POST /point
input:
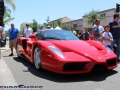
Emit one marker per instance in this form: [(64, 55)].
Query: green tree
[(92, 16), (47, 22), (22, 31), (34, 25), (7, 18), (58, 23), (66, 27), (11, 3)]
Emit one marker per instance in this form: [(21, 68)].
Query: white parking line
[(6, 77)]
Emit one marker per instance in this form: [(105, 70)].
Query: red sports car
[(62, 52)]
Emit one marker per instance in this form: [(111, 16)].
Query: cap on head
[(107, 26), (48, 26)]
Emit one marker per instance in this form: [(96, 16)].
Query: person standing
[(107, 37), (73, 31), (28, 31), (13, 34), (1, 37), (97, 30), (86, 35), (115, 30), (80, 35)]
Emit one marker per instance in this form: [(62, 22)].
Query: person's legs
[(11, 47), (118, 49), (0, 48), (15, 43), (113, 43)]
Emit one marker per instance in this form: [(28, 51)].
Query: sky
[(27, 10)]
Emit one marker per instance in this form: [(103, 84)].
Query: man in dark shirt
[(86, 35), (115, 30)]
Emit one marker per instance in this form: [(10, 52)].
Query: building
[(107, 14), (23, 25), (63, 20), (82, 23)]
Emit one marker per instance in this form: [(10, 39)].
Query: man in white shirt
[(28, 31), (97, 30)]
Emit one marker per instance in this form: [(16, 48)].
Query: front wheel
[(37, 58)]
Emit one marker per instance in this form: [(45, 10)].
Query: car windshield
[(58, 35)]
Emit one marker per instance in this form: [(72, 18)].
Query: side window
[(39, 35)]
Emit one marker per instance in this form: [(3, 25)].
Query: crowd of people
[(109, 34)]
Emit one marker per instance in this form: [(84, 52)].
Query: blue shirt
[(13, 35), (115, 29)]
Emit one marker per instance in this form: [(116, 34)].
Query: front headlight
[(109, 50), (57, 51)]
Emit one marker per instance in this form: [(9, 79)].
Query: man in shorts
[(13, 34)]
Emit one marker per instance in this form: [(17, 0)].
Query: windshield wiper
[(54, 38)]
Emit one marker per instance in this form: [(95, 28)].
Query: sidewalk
[(6, 77), (6, 48)]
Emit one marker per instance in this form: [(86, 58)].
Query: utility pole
[(2, 11)]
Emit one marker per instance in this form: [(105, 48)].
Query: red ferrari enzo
[(62, 52)]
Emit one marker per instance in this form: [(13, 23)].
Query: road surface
[(20, 71)]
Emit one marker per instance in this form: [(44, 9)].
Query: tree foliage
[(34, 25), (7, 17), (66, 27), (58, 23), (11, 3), (47, 22), (92, 16), (22, 31)]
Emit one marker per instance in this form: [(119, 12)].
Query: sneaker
[(11, 54)]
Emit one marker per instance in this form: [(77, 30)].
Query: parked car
[(62, 52)]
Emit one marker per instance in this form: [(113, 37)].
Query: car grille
[(111, 62), (74, 66), (99, 67)]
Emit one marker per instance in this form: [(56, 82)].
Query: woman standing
[(81, 35)]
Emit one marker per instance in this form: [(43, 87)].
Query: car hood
[(77, 46)]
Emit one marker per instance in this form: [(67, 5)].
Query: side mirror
[(33, 37)]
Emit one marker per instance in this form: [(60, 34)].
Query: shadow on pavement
[(93, 76)]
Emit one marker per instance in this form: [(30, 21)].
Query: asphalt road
[(25, 73)]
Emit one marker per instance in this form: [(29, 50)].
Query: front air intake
[(111, 62), (74, 66)]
